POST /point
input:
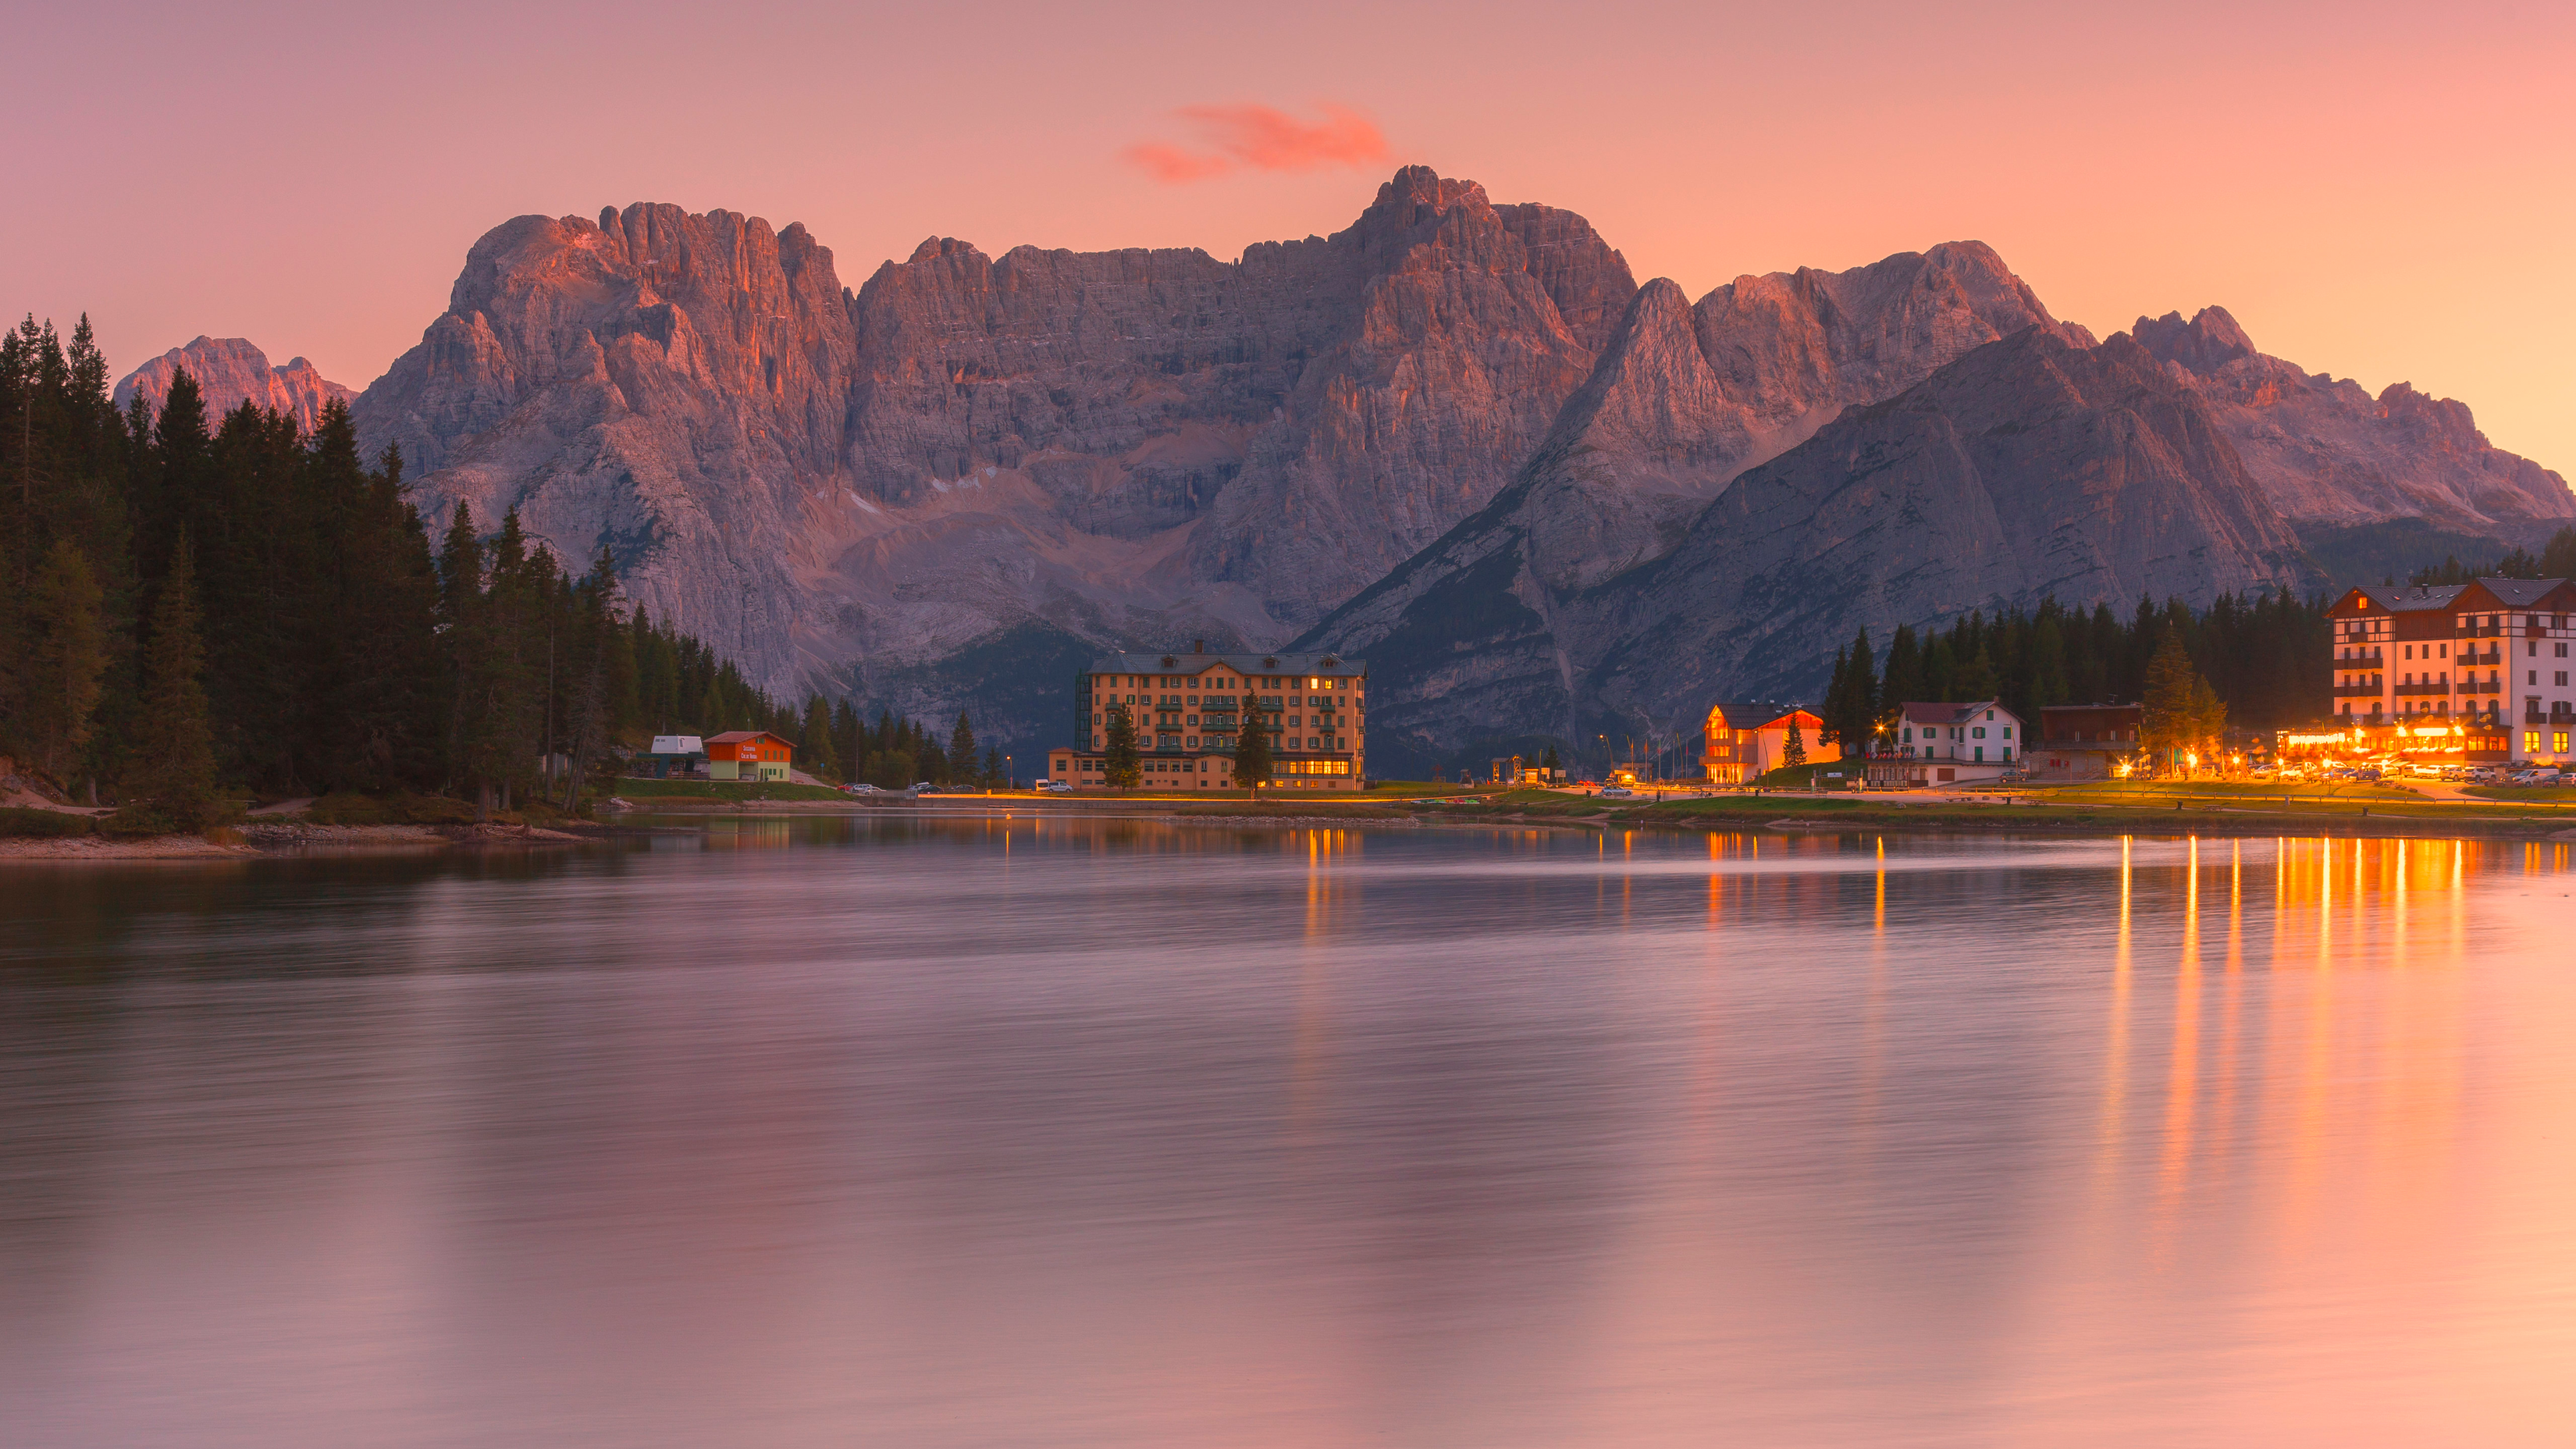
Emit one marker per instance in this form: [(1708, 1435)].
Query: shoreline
[(259, 839), (271, 838)]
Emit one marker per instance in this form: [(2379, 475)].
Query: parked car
[(1055, 787), (860, 790), (1618, 792)]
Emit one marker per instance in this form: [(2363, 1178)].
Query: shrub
[(137, 819), (42, 824), (348, 808)]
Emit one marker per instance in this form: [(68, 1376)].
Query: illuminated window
[(2530, 740)]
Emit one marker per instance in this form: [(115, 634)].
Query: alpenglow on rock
[(2029, 467), (229, 371), (1456, 426), (1038, 454), (2328, 452)]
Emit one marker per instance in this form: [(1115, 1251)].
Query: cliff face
[(229, 371), (1683, 398), (1105, 448), (2030, 466), (1455, 435), (2327, 451), (1312, 413), (670, 387)]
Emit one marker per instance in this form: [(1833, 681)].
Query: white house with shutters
[(1956, 744)]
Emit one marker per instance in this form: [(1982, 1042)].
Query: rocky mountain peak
[(2324, 450), (977, 467), (2208, 342), (229, 371)]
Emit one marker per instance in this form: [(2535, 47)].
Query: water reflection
[(1114, 1132)]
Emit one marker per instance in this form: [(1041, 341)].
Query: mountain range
[(1456, 437)]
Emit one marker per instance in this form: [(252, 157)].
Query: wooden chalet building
[(2084, 741), (749, 755), (1743, 741)]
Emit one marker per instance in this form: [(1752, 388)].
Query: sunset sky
[(2379, 191)]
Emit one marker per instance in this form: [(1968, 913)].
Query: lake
[(1098, 1132)]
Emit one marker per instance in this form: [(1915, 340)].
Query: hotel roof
[(2423, 598), (1240, 663)]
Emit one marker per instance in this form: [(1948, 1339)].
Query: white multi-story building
[(2476, 673), (1953, 744)]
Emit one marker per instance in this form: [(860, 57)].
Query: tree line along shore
[(203, 612)]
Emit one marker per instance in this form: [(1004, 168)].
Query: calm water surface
[(1096, 1133)]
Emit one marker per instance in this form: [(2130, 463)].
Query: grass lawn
[(2525, 794), (2168, 791), (719, 792), (1800, 777), (1348, 808)]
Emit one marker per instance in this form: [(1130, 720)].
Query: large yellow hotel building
[(1189, 709)]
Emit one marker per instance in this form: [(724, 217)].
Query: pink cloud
[(1258, 138), (1174, 166)]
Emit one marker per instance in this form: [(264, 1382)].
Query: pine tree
[(1837, 698), (961, 750), (1793, 752), (2208, 728), (1976, 680), (67, 656), (933, 760), (1857, 708), (814, 743), (1252, 762), (2171, 720), (849, 740), (1124, 770), (176, 769), (1904, 680)]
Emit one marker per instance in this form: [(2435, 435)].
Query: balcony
[(2354, 691), (2425, 687), (2489, 660)]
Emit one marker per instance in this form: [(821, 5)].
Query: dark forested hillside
[(317, 643), (2261, 653)]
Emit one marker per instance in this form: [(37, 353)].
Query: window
[(2558, 741), (2530, 741), (1979, 732), (2007, 731)]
